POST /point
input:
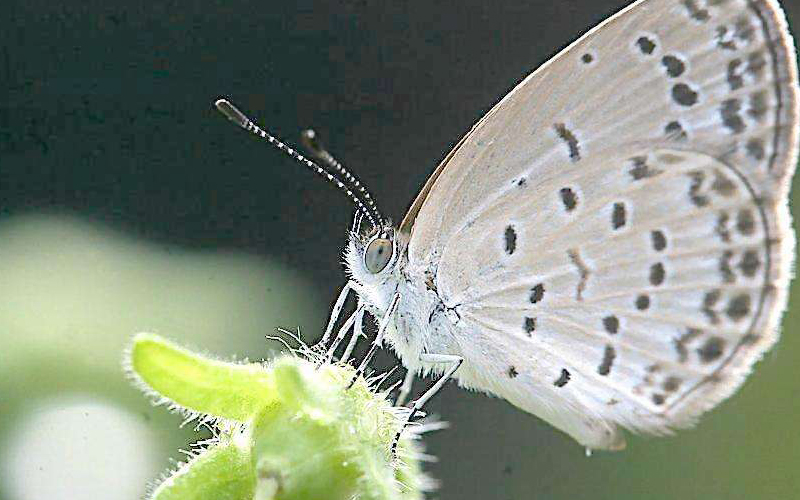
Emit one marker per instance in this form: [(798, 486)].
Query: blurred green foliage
[(74, 293)]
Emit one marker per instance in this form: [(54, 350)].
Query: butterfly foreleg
[(358, 332), (384, 323), (405, 389), (335, 312), (349, 323), (455, 363)]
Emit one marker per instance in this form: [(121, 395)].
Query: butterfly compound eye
[(378, 254)]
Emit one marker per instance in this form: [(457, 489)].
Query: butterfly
[(610, 246)]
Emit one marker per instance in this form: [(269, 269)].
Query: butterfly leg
[(455, 362), (405, 388), (358, 332), (337, 309), (384, 323), (342, 332)]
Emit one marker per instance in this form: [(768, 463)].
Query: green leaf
[(222, 472), (326, 440), (297, 446), (303, 430), (198, 383)]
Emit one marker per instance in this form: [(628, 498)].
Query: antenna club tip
[(310, 140), (231, 112)]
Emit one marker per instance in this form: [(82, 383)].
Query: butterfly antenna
[(311, 141), (357, 218), (368, 208)]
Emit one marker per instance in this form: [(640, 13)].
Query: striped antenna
[(310, 140), (354, 190)]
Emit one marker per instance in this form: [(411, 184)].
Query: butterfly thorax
[(423, 320)]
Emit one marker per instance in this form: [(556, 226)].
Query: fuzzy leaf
[(201, 384), (222, 472), (327, 441), (304, 432)]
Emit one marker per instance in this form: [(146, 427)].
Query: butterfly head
[(372, 260)]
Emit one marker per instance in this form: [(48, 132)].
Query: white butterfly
[(610, 246)]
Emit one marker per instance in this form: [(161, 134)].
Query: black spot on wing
[(756, 62), (729, 111), (657, 274), (611, 324), (735, 80), (568, 198), (684, 95), (659, 240), (510, 237), (673, 65), (608, 360), (750, 263), (646, 45), (567, 136), (537, 293), (681, 342), (711, 350), (709, 302), (529, 325), (755, 149), (698, 177), (722, 185), (724, 38), (695, 11), (641, 170), (744, 30), (758, 106), (745, 222), (722, 227), (618, 215), (671, 384), (738, 307), (562, 380), (674, 130), (725, 270)]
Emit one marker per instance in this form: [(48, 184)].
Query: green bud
[(287, 430)]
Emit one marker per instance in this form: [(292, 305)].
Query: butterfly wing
[(614, 234)]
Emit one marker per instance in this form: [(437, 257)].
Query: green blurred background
[(127, 204)]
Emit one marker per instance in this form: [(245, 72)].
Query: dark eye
[(378, 254)]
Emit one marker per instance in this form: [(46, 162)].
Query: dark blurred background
[(127, 203)]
